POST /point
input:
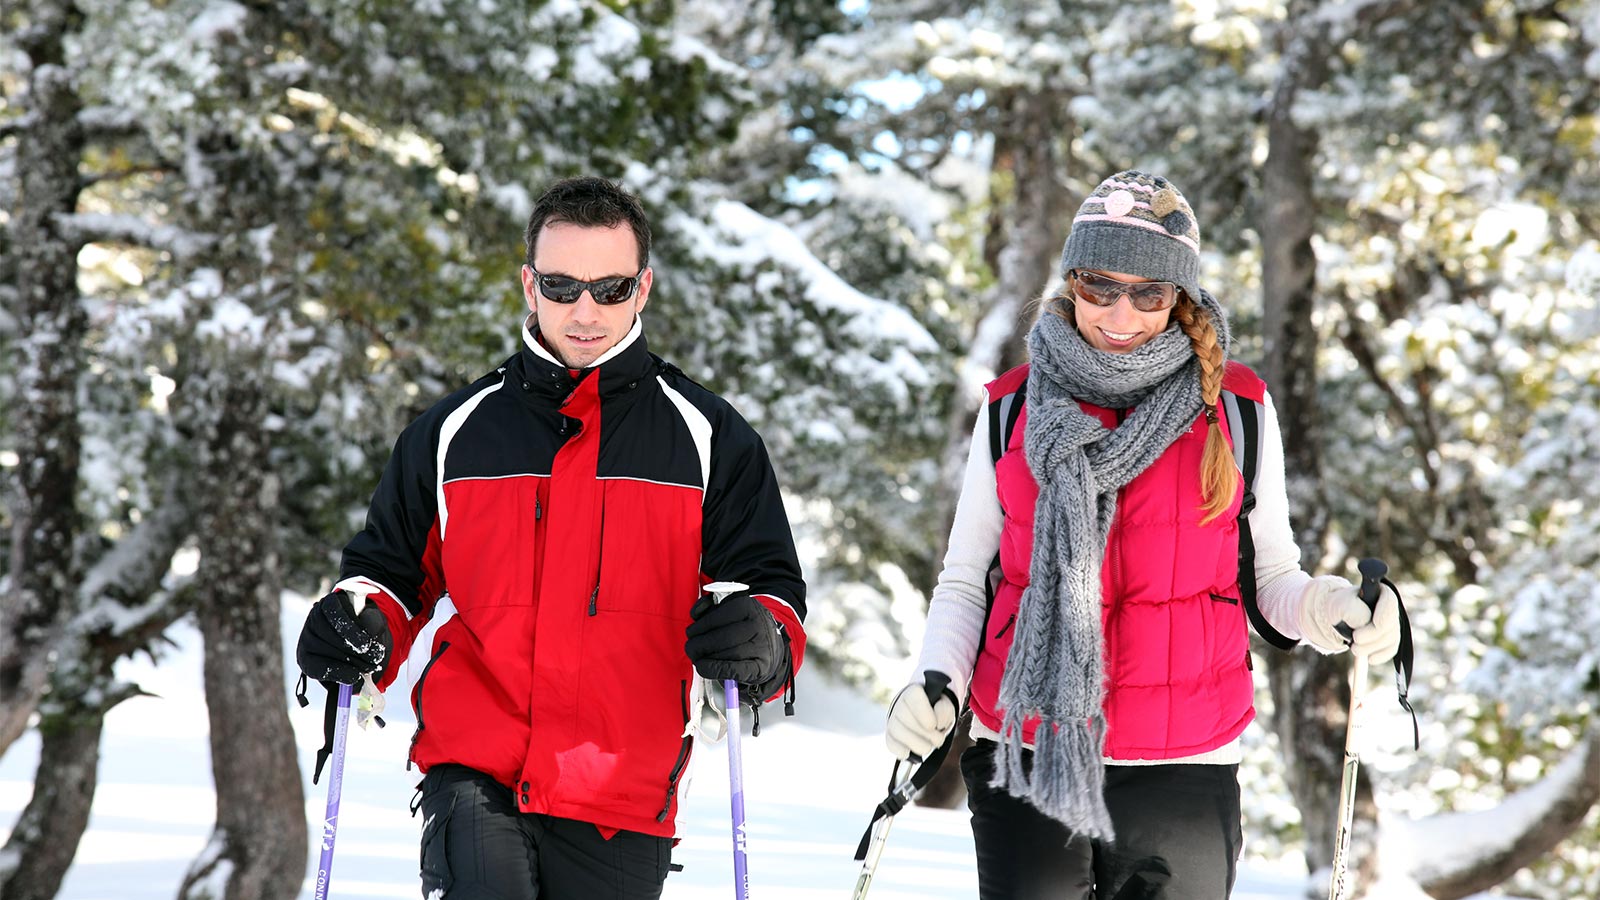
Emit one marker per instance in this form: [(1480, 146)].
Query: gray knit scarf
[(1054, 671)]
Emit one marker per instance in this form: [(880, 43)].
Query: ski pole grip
[(934, 684), (1373, 571)]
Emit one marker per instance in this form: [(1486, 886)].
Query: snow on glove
[(1328, 602), (735, 639), (338, 646), (917, 726), (1379, 639)]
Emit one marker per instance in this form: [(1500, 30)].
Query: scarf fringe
[(1069, 776)]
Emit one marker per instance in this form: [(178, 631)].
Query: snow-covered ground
[(810, 784)]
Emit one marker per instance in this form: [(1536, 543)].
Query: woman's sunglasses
[(606, 291), (1146, 296)]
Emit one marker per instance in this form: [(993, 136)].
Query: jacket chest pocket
[(649, 550)]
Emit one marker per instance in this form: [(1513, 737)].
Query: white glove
[(1380, 639), (1329, 601), (915, 725)]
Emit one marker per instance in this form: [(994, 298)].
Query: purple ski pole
[(730, 691), (330, 822)]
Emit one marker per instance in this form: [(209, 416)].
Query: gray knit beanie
[(1139, 224)]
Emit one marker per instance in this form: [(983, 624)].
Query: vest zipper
[(416, 703), (1006, 627)]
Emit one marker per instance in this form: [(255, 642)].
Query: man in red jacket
[(533, 556)]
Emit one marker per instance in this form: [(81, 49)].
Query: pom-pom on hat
[(1139, 224)]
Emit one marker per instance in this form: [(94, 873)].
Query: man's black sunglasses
[(606, 291)]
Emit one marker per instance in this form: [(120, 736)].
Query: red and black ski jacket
[(535, 544)]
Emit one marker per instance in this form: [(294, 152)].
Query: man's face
[(581, 332)]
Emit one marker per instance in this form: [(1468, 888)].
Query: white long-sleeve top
[(956, 612)]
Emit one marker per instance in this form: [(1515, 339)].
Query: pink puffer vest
[(1177, 659)]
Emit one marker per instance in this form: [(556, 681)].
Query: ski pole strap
[(1374, 572), (328, 722), (1403, 659), (936, 684), (330, 718), (899, 797)]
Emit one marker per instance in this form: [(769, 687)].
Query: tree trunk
[(1040, 210), (258, 848), (46, 835), (35, 597), (1310, 692)]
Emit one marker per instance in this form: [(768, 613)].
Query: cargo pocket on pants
[(436, 878)]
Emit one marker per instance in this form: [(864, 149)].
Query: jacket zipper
[(416, 703), (683, 753)]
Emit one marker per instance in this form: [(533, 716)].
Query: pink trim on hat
[(1150, 226)]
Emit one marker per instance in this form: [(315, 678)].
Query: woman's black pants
[(476, 845), (1178, 835)]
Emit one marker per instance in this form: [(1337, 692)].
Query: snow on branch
[(107, 122), (90, 180), (17, 125), (126, 229), (882, 345), (122, 592), (744, 239), (1459, 854)]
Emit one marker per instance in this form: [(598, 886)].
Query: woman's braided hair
[(1219, 479)]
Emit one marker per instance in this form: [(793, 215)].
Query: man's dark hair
[(592, 203)]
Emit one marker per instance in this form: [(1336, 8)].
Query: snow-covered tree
[(285, 228)]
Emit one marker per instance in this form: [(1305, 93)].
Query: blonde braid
[(1219, 479)]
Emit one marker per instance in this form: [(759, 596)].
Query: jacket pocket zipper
[(1006, 627), (683, 753), (416, 702), (1232, 601), (594, 595)]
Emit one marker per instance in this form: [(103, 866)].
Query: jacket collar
[(619, 369)]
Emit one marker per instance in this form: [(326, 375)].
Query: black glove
[(735, 639), (338, 646)]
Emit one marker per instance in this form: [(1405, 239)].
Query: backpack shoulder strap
[(1003, 398), (1245, 420), (1003, 412)]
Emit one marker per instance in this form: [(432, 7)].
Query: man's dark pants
[(476, 845)]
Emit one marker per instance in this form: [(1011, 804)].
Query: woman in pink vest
[(1109, 678)]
